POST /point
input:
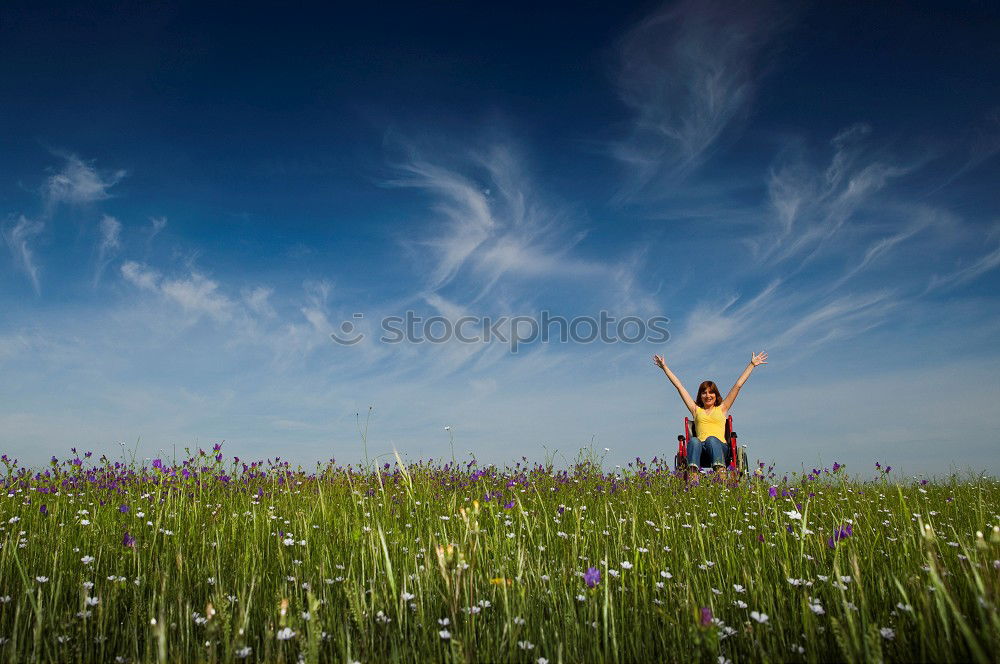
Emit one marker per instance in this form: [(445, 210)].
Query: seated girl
[(709, 411)]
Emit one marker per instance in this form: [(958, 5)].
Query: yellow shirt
[(710, 423)]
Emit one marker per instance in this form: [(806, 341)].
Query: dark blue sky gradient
[(280, 145)]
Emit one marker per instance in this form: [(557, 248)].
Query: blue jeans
[(716, 451)]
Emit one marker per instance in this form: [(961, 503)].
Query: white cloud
[(110, 242), (78, 183), (980, 266), (18, 240), (494, 226), (258, 300), (156, 225), (198, 294), (848, 315), (811, 206), (140, 275), (688, 72), (195, 293)]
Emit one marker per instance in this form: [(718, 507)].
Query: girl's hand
[(758, 359), (659, 361)]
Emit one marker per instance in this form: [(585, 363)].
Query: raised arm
[(755, 361), (685, 397)]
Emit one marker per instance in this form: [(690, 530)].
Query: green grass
[(367, 565)]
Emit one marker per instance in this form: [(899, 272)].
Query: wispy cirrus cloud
[(195, 293), (490, 221), (493, 223), (688, 72), (108, 246), (977, 268), (18, 239), (77, 183), (811, 205)]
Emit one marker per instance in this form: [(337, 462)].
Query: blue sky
[(192, 202)]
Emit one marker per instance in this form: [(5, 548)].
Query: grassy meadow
[(217, 559)]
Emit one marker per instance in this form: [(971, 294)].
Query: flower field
[(217, 559)]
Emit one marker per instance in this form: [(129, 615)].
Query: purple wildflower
[(128, 540), (773, 492), (509, 505), (44, 510), (706, 616), (592, 577), (840, 533), (123, 509), (158, 464)]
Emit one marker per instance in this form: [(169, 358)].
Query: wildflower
[(581, 598), (759, 617), (93, 601), (128, 540), (244, 652), (887, 633), (86, 560), (626, 565), (44, 510), (592, 577), (541, 660), (42, 579), (123, 509), (773, 492), (706, 616), (525, 645), (407, 596), (444, 622), (666, 575), (738, 588), (284, 634), (816, 607), (740, 604), (444, 634), (518, 620), (794, 514)]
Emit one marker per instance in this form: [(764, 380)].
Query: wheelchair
[(735, 455)]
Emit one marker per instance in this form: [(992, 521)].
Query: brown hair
[(711, 387)]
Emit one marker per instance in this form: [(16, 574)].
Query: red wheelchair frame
[(737, 457)]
